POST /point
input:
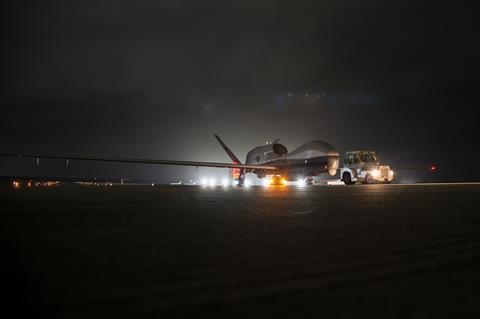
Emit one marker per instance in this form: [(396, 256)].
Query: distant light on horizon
[(225, 182), (212, 182)]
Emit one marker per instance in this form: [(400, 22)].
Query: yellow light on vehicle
[(283, 181), (391, 173), (375, 173)]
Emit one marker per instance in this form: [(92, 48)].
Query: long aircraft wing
[(143, 161)]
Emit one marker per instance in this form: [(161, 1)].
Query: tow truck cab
[(364, 167)]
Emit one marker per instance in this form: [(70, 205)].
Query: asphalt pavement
[(390, 251)]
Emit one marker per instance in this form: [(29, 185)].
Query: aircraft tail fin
[(238, 173), (230, 154)]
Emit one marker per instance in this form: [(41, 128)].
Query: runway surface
[(390, 251)]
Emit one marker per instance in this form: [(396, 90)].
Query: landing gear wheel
[(347, 179)]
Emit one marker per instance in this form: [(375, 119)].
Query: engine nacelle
[(279, 149), (266, 153)]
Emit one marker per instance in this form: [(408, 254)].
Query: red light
[(236, 173), (433, 168)]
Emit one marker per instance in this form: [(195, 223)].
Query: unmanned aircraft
[(273, 159)]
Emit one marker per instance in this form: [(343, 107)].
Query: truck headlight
[(375, 173), (390, 173)]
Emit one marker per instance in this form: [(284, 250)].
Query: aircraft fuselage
[(310, 159)]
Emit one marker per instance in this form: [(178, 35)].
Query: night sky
[(156, 79)]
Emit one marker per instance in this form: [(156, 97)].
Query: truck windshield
[(368, 157)]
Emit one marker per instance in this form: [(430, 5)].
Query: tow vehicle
[(364, 167)]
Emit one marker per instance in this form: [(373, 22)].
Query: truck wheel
[(347, 179), (368, 179)]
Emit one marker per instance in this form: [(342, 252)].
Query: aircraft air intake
[(279, 149)]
